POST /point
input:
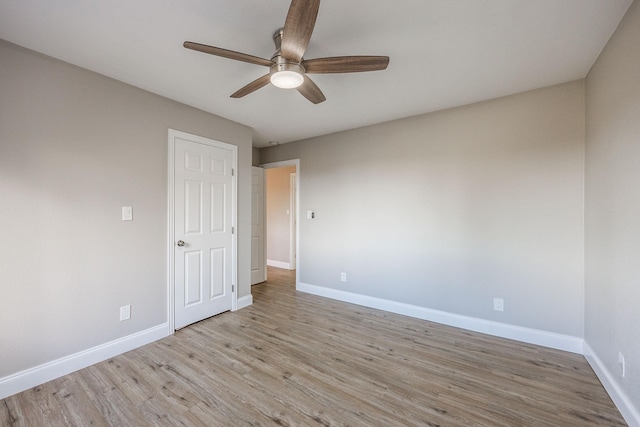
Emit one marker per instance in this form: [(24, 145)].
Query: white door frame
[(296, 163), (170, 218)]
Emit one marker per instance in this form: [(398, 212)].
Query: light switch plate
[(127, 213)]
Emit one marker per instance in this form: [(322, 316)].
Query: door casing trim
[(296, 163)]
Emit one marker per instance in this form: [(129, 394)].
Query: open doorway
[(281, 214)]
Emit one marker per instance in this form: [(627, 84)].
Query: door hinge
[(233, 288), (233, 230), (233, 172)]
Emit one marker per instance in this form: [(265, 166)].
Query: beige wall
[(613, 206), (278, 220), (74, 148), (451, 209)]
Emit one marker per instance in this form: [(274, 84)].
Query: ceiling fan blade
[(225, 53), (298, 28), (310, 91), (345, 64), (253, 86)]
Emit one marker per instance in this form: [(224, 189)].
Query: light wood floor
[(298, 359)]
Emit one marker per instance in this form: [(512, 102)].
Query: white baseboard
[(626, 407), (278, 264), (503, 330), (244, 301), (37, 375)]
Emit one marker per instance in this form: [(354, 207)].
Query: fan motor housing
[(282, 64)]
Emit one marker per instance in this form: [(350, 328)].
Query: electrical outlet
[(622, 365), (125, 312), (343, 277), (498, 304)]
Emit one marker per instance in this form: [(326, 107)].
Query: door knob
[(180, 243)]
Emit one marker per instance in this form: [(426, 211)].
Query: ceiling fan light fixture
[(287, 79), (287, 75)]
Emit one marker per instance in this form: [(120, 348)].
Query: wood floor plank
[(298, 359)]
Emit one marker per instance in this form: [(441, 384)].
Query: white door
[(293, 214), (258, 256), (204, 221)]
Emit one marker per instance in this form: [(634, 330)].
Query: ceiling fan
[(287, 68)]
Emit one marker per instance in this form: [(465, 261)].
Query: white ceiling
[(444, 53)]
